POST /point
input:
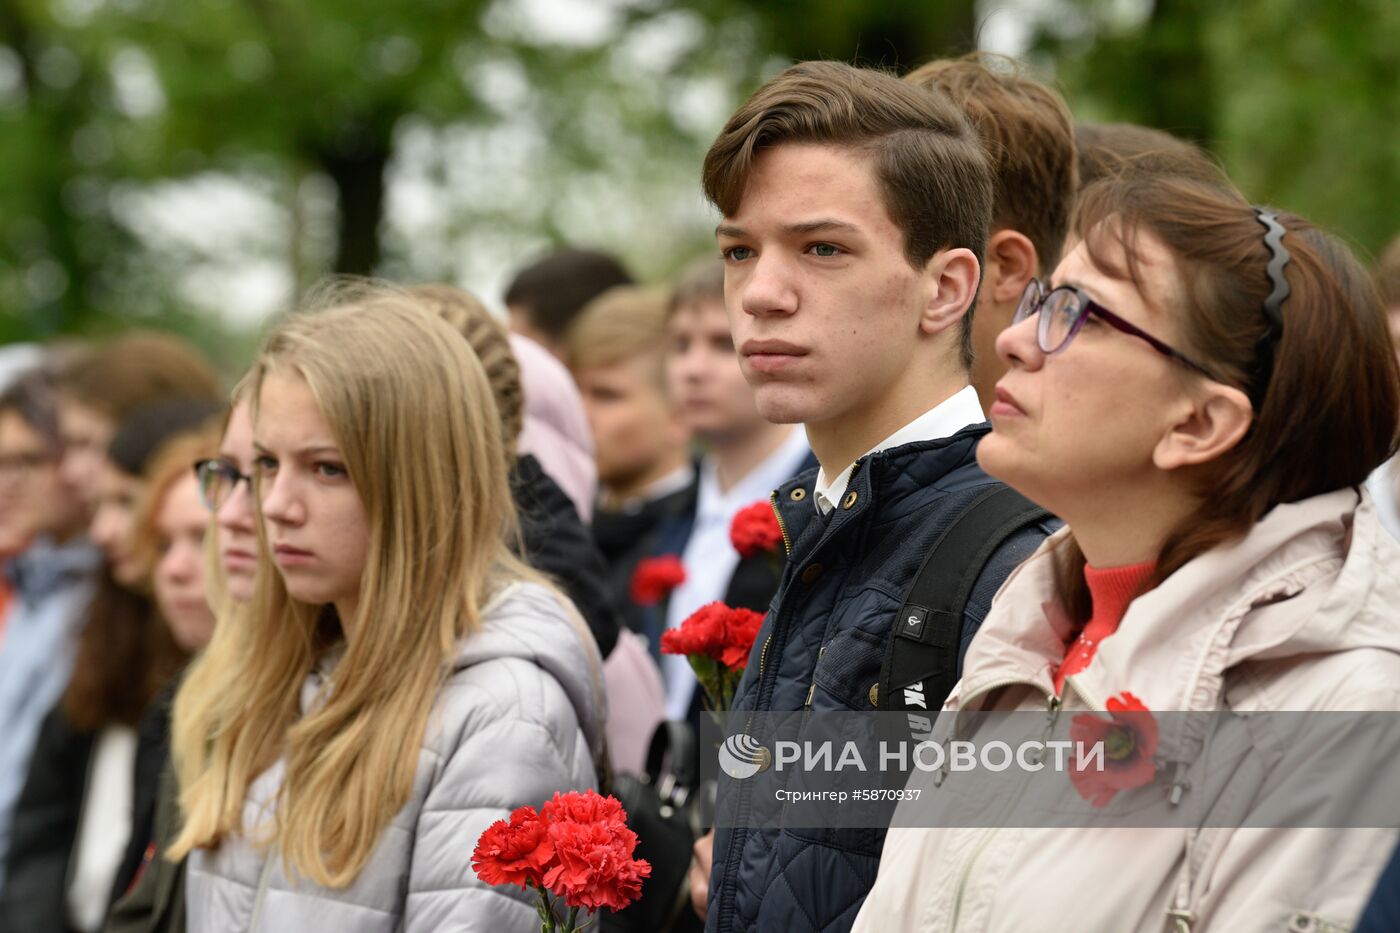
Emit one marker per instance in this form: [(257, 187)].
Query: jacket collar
[(45, 567), (894, 481), (1299, 583)]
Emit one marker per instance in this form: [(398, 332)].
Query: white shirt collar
[(945, 419)]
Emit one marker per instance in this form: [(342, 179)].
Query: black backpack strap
[(921, 659)]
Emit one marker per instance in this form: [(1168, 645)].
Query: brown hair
[(1388, 274), (1111, 149), (623, 323), (137, 369), (554, 289), (488, 337), (1333, 313), (1026, 130), (702, 280), (934, 176), (172, 461)]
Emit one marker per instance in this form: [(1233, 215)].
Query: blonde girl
[(399, 680)]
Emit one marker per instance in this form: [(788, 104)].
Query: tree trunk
[(358, 170)]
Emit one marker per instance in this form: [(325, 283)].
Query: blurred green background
[(194, 164)]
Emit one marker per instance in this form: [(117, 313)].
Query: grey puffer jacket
[(515, 722)]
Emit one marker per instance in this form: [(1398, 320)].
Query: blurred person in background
[(72, 820), (546, 296), (554, 427), (149, 889), (389, 607), (102, 386), (15, 361), (746, 458), (616, 350), (1026, 130), (52, 570)]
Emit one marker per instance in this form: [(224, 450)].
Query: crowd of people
[(276, 649)]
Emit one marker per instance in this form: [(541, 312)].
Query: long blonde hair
[(412, 413)]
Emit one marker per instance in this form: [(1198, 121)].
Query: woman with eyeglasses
[(149, 894), (1199, 393), (400, 679)]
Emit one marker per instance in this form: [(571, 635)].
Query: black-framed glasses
[(218, 478), (1064, 310)]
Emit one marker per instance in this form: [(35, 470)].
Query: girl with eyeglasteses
[(399, 679), (1199, 393)]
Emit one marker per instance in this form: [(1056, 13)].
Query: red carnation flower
[(655, 578), (755, 530), (589, 807), (578, 848), (717, 640), (717, 631), (518, 852), (593, 865), (1129, 739), (741, 631)]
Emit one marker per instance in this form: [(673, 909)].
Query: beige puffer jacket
[(1304, 614)]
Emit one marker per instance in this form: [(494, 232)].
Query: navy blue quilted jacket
[(821, 647)]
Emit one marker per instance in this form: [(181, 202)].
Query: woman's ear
[(1011, 262), (1211, 424), (952, 276)]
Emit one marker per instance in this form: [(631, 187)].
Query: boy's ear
[(952, 276), (1011, 262)]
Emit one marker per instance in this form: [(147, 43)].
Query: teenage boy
[(855, 207), (746, 458), (1028, 136), (617, 353)]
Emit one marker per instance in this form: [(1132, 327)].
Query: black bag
[(668, 808), (921, 659)]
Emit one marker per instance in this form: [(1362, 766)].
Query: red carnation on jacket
[(655, 578), (1129, 738), (755, 530), (517, 852)]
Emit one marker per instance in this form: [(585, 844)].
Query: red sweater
[(1111, 590)]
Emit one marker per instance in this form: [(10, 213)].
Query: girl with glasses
[(400, 679), (1199, 393)]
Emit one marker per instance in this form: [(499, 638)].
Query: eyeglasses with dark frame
[(218, 479), (1064, 310)]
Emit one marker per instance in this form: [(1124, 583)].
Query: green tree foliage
[(1301, 100)]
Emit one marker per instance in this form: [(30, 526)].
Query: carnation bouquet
[(576, 852)]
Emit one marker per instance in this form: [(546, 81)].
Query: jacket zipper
[(1053, 706), (782, 525), (724, 903), (263, 878)]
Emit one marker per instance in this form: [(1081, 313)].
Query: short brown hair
[(931, 169), (488, 337), (1388, 274), (620, 324), (702, 280), (1107, 150), (1027, 132)]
